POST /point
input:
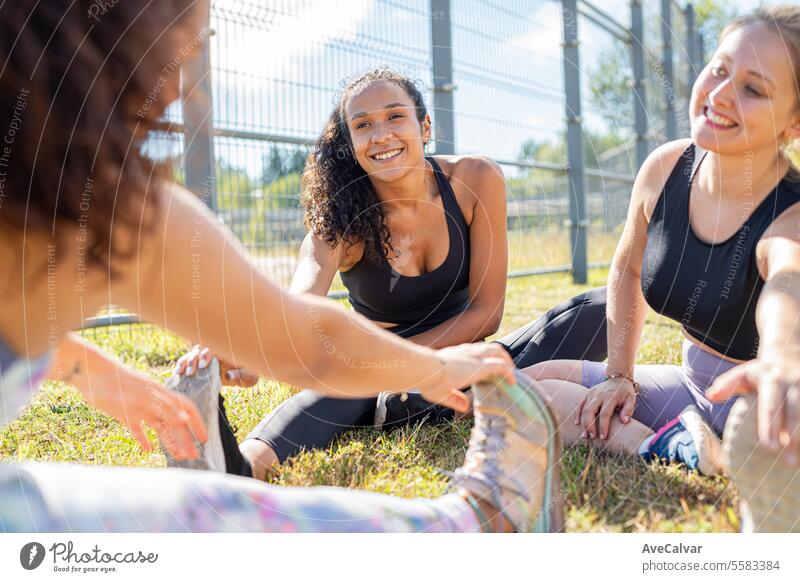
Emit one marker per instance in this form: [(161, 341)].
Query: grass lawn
[(603, 492)]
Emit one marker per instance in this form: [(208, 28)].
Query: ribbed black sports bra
[(416, 304), (711, 289)]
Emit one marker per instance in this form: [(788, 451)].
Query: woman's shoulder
[(468, 167), (662, 160), (655, 172), (474, 179)]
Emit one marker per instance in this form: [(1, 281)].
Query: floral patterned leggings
[(52, 497)]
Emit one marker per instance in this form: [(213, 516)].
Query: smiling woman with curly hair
[(420, 244)]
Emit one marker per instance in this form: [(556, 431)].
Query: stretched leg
[(572, 330), (304, 421), (668, 403), (59, 497), (563, 397), (307, 420), (510, 472)]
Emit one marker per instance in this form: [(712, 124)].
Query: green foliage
[(232, 180), (711, 17), (281, 162), (609, 85)]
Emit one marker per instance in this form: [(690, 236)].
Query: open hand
[(134, 399), (598, 405), (464, 365), (777, 384)]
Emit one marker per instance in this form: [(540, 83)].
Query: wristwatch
[(628, 378)]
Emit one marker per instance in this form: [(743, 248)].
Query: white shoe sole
[(768, 485), (202, 388)]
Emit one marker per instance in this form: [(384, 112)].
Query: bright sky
[(278, 65)]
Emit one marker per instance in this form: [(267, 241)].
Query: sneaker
[(769, 487), (687, 439), (202, 388), (513, 461), (395, 410)]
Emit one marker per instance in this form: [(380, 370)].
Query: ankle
[(489, 517), (263, 460)]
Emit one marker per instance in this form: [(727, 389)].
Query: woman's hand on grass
[(199, 357), (464, 365), (777, 384), (597, 407)]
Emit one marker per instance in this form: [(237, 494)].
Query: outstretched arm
[(128, 396), (626, 308), (775, 373), (197, 280)]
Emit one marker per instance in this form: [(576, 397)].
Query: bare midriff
[(709, 350)]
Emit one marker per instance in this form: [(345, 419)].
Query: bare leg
[(261, 457), (559, 379)]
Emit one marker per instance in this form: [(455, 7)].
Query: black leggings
[(573, 330)]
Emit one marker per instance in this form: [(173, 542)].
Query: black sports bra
[(711, 289), (416, 304)]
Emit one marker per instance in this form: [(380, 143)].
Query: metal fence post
[(691, 45), (667, 70), (442, 60), (575, 174), (701, 51), (198, 159), (639, 87)]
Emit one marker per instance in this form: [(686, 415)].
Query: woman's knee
[(567, 370)]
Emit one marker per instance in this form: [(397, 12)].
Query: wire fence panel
[(277, 67)]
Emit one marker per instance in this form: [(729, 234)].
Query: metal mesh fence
[(276, 67)]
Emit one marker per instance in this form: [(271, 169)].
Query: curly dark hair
[(80, 92), (338, 198)]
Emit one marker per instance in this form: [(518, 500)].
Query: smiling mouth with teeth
[(717, 119), (387, 155)]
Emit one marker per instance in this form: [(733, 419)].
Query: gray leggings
[(667, 390)]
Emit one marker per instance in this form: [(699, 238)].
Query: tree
[(281, 162), (711, 17)]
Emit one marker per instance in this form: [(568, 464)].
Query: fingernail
[(189, 370), (603, 436), (591, 435), (583, 435), (230, 375), (202, 365)]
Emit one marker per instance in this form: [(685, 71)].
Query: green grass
[(603, 492)]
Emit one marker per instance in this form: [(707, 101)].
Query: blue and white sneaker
[(687, 439)]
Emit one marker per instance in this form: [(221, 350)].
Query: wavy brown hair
[(76, 79), (339, 200)]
